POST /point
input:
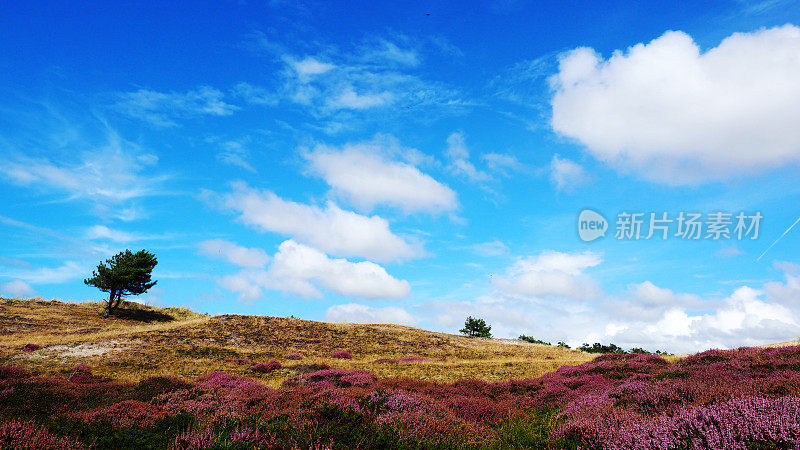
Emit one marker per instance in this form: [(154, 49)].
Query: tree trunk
[(119, 300), (110, 302)]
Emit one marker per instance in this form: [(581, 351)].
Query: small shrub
[(31, 347), (82, 368), (293, 356), (195, 440), (26, 435), (266, 367), (14, 373), (337, 377), (600, 348), (344, 354), (127, 413), (532, 340)]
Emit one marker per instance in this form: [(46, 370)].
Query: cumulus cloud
[(646, 301), (644, 315), (330, 228), (305, 271), (551, 273), (358, 313), (16, 288), (235, 254), (369, 174), (679, 115), (567, 175), (162, 108), (298, 268), (788, 292)]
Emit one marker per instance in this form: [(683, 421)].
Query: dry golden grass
[(781, 344), (192, 344)]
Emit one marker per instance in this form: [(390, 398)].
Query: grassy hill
[(145, 341)]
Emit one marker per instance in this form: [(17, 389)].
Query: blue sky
[(415, 164)]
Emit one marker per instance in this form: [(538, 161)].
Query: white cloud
[(235, 254), (298, 268), (309, 66), (501, 162), (16, 288), (646, 301), (358, 313), (69, 270), (349, 99), (235, 154), (256, 95), (567, 175), (248, 283), (161, 108), (491, 248), (302, 270), (367, 175), (788, 292), (109, 175), (677, 115), (552, 273), (370, 77), (102, 232), (386, 51), (330, 229), (458, 154), (546, 296)]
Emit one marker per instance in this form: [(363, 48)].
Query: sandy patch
[(80, 350)]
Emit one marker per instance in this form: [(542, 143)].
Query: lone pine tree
[(125, 273)]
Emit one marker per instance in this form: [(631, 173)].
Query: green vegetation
[(476, 328), (532, 340), (125, 273)]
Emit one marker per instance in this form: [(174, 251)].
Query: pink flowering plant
[(746, 398)]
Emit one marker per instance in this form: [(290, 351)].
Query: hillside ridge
[(145, 341)]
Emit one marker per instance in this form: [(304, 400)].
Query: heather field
[(317, 397)]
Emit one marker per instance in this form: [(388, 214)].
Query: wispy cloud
[(163, 108), (104, 233), (109, 175), (340, 86), (69, 270), (235, 154), (567, 175), (460, 164)]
